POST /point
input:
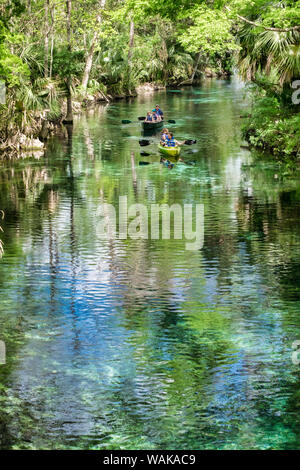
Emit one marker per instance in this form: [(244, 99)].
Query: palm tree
[(270, 51)]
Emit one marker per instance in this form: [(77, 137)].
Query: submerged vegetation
[(55, 56)]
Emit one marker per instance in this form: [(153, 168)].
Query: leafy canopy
[(210, 33)]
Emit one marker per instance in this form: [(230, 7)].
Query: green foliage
[(270, 51), (12, 68), (10, 9), (210, 32), (67, 63), (157, 57), (273, 128)]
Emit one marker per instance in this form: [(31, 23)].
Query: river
[(143, 344)]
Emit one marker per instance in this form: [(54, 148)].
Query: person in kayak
[(164, 136), (154, 117), (171, 142), (149, 117), (159, 112)]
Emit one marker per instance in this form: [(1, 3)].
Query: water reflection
[(138, 343)]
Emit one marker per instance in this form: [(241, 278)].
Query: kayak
[(170, 151), (152, 125)]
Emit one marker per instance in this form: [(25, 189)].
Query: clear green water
[(138, 344)]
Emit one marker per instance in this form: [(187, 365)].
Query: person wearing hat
[(159, 112)]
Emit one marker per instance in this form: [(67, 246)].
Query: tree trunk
[(69, 117), (131, 41), (130, 51), (44, 131), (52, 13), (90, 54), (196, 66), (89, 62), (46, 71)]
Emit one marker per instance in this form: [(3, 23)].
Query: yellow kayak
[(169, 151)]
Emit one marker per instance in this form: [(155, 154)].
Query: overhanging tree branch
[(266, 28)]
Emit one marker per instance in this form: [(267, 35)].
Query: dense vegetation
[(54, 55)]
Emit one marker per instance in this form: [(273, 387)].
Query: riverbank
[(42, 126), (274, 129), (269, 127)]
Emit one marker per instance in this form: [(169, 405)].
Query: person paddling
[(171, 142), (158, 111)]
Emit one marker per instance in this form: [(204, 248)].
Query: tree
[(90, 54), (69, 117)]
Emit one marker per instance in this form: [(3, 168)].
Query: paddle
[(142, 118), (171, 121), (127, 121), (144, 142)]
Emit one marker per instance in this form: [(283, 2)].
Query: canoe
[(152, 125), (169, 151)]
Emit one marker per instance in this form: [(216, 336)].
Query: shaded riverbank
[(274, 129), (43, 126)]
